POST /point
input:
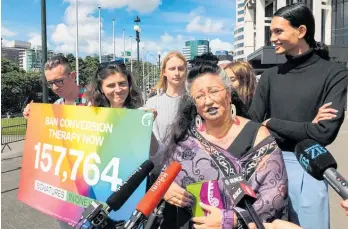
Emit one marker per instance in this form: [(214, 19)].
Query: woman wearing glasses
[(226, 141)]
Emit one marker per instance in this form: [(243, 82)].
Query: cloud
[(140, 6), (35, 39), (7, 33), (5, 42), (182, 17), (205, 25), (166, 38), (217, 44), (63, 35)]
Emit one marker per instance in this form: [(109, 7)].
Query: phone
[(195, 190), (208, 193)]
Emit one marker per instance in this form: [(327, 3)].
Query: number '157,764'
[(91, 171)]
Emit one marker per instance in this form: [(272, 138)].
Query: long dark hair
[(97, 97), (187, 111), (299, 14)]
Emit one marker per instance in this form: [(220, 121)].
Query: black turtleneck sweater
[(291, 94)]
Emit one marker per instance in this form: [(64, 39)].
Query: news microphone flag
[(320, 164)]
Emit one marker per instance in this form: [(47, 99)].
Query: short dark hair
[(299, 14), (57, 60)]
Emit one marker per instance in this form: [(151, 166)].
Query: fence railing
[(12, 130)]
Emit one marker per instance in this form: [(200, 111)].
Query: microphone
[(98, 217), (153, 196), (320, 164), (122, 194), (243, 196)]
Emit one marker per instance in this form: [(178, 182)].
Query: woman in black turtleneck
[(288, 99)]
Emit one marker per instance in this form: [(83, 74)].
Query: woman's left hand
[(212, 221), (154, 112)]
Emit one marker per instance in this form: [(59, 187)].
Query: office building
[(195, 48), (330, 22), (239, 31), (224, 55)]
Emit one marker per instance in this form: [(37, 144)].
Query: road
[(15, 215)]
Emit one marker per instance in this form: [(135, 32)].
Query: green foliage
[(17, 88), (9, 66)]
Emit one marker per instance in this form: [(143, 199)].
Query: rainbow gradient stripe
[(129, 141)]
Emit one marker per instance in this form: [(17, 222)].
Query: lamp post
[(137, 34), (44, 50), (99, 35), (144, 87), (77, 44), (159, 60), (113, 39), (131, 51)]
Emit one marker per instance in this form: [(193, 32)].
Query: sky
[(165, 24)]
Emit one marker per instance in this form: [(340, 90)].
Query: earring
[(233, 111), (199, 123)]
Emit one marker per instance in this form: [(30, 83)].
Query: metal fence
[(13, 128)]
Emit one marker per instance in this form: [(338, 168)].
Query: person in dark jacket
[(303, 98)]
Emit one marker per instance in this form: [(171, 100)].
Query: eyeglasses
[(213, 93), (57, 82)]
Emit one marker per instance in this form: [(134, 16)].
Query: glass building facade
[(339, 22)]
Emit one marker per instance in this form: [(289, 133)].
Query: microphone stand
[(253, 214), (156, 219)]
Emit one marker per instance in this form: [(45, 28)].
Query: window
[(240, 19), (241, 5), (240, 45), (240, 12), (269, 10), (239, 38)]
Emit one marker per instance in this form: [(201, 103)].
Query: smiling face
[(285, 37), (211, 97), (116, 89)]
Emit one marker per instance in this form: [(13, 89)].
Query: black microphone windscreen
[(314, 158), (121, 195)]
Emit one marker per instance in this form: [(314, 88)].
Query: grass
[(13, 126)]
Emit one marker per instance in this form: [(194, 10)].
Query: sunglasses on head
[(111, 65)]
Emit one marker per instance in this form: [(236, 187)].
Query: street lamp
[(137, 34), (159, 60), (99, 35)]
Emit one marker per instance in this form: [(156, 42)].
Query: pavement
[(16, 215)]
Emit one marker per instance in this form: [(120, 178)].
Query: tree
[(17, 89), (9, 66), (88, 69)]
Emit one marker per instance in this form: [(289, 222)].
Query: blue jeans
[(309, 197)]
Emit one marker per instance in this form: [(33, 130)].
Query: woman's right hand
[(178, 196), (26, 110), (325, 113)]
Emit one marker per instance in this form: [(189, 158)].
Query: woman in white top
[(171, 86)]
